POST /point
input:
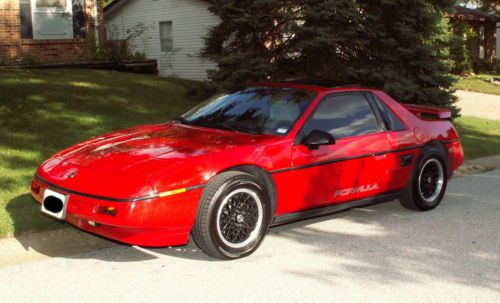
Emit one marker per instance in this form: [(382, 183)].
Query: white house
[(173, 32)]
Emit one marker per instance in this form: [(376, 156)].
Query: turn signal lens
[(35, 187), (107, 210), (172, 192)]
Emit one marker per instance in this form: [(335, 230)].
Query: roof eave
[(113, 7)]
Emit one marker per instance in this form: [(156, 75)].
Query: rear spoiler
[(428, 112)]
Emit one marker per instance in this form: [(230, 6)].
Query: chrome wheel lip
[(260, 213), (439, 182)]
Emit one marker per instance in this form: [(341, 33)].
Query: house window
[(26, 26), (51, 3), (166, 36), (52, 19), (79, 21), (481, 43)]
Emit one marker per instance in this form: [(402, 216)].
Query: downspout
[(96, 24), (498, 42)]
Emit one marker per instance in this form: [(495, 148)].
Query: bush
[(123, 42), (460, 33)]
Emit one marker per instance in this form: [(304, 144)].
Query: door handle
[(380, 156)]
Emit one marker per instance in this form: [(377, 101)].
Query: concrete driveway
[(382, 253), (479, 105)]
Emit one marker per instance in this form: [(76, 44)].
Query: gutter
[(113, 6)]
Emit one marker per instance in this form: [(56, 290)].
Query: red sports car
[(260, 155)]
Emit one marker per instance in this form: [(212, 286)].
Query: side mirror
[(316, 138)]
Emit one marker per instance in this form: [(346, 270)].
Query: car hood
[(126, 163)]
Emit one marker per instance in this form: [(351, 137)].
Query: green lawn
[(479, 83), (43, 111), (480, 137)]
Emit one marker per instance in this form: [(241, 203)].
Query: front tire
[(233, 216), (428, 181)]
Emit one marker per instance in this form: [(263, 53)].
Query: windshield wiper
[(224, 125), (220, 125)]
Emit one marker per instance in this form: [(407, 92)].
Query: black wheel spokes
[(429, 180), (239, 218)]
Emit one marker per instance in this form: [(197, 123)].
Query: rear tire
[(233, 216), (428, 181)]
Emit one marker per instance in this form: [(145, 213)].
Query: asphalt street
[(382, 253)]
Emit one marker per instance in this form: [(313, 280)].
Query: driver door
[(353, 168)]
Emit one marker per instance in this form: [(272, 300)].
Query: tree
[(461, 34), (400, 46), (106, 2), (493, 5), (486, 5)]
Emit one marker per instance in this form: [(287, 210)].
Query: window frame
[(313, 93), (482, 42), (75, 10), (380, 123), (62, 13), (375, 99), (161, 38), (53, 8), (26, 19)]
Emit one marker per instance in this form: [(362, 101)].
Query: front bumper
[(155, 222)]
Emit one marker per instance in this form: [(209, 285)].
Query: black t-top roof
[(321, 83)]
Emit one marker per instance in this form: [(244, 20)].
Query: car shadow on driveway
[(458, 242), (64, 240)]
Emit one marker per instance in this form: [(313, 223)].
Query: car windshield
[(256, 110)]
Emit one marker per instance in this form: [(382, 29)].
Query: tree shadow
[(44, 111), (476, 143)]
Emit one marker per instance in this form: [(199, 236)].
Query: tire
[(233, 216), (428, 181)]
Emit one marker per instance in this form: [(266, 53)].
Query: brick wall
[(14, 49)]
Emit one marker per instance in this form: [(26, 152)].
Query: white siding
[(191, 21)]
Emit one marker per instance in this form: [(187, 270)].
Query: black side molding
[(124, 200), (305, 166), (332, 209)]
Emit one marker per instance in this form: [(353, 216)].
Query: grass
[(479, 83), (43, 111), (480, 137)]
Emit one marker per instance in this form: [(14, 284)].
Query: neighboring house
[(49, 31), (487, 27), (173, 32)]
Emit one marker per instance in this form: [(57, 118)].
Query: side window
[(343, 116), (166, 37), (391, 121)]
